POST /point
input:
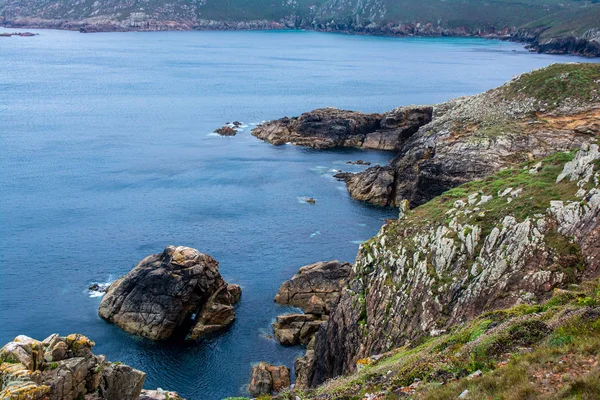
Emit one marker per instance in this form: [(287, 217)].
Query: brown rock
[(293, 329), (267, 379), (226, 131), (218, 312), (77, 373), (316, 287)]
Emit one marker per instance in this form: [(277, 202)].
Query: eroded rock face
[(34, 370), (316, 287), (331, 127), (161, 296), (418, 276), (268, 379)]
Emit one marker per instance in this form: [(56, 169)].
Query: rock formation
[(330, 127), (507, 240), (226, 130), (268, 379), (171, 293), (316, 287), (293, 329), (64, 368)]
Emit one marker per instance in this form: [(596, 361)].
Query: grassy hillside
[(572, 22), (453, 13), (546, 351), (468, 13)]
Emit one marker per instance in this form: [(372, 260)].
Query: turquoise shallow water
[(107, 156)]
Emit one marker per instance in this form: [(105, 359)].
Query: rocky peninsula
[(176, 293), (442, 146)]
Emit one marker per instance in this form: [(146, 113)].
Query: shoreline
[(575, 46)]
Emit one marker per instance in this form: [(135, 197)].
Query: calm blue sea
[(106, 157)]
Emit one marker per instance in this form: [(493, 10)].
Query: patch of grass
[(557, 84)]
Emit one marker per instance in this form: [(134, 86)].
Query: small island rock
[(226, 130), (168, 292)]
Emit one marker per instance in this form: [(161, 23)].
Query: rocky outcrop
[(171, 293), (316, 287), (268, 379), (226, 130), (510, 239), (218, 312), (330, 127), (470, 138), (293, 329), (64, 368)]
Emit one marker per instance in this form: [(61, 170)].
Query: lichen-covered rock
[(77, 373), (486, 245), (267, 379), (330, 127), (165, 292), (316, 287)]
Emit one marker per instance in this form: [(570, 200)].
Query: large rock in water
[(331, 127), (267, 379), (316, 287), (171, 293), (64, 368)]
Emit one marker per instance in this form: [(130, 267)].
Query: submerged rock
[(34, 370), (161, 296), (268, 379)]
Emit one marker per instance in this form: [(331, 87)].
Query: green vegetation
[(537, 191), (516, 350), (558, 83), (572, 22)]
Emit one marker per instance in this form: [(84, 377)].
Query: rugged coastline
[(519, 233), (442, 146), (537, 35)]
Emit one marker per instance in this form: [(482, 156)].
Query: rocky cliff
[(506, 240)]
